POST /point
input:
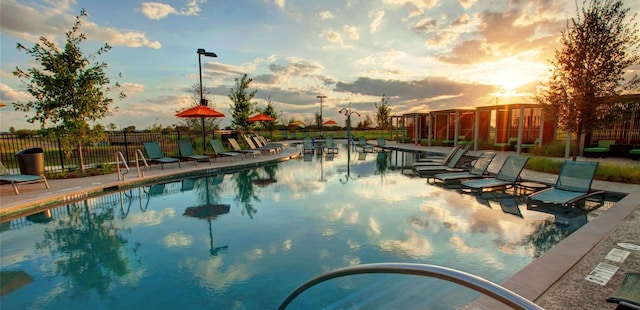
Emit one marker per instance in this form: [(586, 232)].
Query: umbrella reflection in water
[(209, 212)]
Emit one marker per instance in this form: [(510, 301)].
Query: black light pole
[(321, 97), (204, 102), (348, 113)]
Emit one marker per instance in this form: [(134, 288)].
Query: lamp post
[(348, 113), (321, 97), (204, 102)]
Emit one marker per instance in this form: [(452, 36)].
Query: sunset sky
[(425, 55)]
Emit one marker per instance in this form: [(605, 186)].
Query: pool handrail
[(139, 155), (448, 274), (120, 156)]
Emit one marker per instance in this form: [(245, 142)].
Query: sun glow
[(510, 74)]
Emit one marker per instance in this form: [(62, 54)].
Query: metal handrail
[(448, 274), (119, 156), (139, 152)]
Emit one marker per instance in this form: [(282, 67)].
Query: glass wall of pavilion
[(452, 127), (508, 127), (417, 126)]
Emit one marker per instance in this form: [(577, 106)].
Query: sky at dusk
[(425, 55)]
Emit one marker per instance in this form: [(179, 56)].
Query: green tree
[(598, 47), (69, 91), (241, 106), (383, 116)]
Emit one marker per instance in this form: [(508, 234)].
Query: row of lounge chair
[(573, 184), (155, 154)]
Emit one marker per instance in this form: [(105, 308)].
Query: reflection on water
[(247, 239)]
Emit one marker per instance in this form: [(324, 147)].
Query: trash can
[(31, 161)]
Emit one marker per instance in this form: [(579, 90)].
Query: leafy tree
[(195, 124), (69, 91), (318, 119), (366, 123), (598, 46), (241, 106), (383, 117)]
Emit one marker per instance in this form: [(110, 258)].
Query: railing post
[(60, 153), (126, 145)]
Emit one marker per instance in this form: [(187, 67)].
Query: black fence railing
[(94, 155), (104, 152)]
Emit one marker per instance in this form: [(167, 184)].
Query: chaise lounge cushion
[(601, 149)]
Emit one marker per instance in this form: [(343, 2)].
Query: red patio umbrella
[(201, 111), (330, 123), (261, 118)]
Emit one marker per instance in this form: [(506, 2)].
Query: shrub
[(555, 149), (606, 172)]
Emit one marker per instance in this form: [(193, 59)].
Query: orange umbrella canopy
[(200, 111), (261, 118), (330, 123)]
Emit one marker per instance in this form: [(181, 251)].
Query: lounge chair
[(252, 146), (506, 146), (219, 151), (154, 154), (439, 157), (628, 293), (186, 152), (442, 160), (382, 146), (573, 185), (15, 179), (262, 142), (602, 150), (330, 146), (476, 171), (526, 147), (364, 146), (236, 148), (307, 146), (508, 176), (449, 167)]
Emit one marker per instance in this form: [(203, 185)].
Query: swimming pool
[(246, 240)]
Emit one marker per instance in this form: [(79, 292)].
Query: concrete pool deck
[(555, 280)]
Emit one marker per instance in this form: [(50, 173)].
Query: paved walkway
[(555, 280)]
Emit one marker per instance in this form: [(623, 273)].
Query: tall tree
[(241, 106), (598, 47), (383, 116), (70, 92)]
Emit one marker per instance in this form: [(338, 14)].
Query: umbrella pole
[(204, 144)]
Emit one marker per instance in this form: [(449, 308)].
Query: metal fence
[(94, 155), (104, 152)]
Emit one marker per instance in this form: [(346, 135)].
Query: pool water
[(246, 240)]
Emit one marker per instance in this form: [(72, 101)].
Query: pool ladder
[(120, 159), (468, 280)]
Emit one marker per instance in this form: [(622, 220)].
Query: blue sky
[(424, 54)]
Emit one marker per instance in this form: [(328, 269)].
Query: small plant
[(555, 149), (107, 168)]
